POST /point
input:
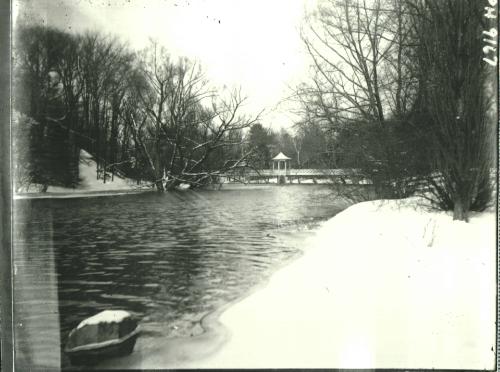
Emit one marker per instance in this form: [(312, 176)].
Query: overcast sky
[(254, 44)]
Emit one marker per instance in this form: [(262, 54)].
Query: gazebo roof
[(281, 156)]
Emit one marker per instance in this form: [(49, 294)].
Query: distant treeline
[(141, 113), (399, 91)]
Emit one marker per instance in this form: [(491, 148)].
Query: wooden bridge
[(292, 175)]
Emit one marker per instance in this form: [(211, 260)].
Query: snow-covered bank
[(89, 184), (384, 285)]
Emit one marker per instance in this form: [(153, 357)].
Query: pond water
[(169, 258)]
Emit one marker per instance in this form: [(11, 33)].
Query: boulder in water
[(110, 333)]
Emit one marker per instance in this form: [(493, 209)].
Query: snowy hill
[(89, 183)]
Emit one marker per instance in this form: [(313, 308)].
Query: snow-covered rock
[(106, 316), (101, 329), (183, 186), (111, 333)]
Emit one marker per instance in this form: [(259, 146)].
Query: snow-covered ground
[(383, 285), (89, 183)]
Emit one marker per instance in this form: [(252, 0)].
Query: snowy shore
[(381, 285), (384, 285)]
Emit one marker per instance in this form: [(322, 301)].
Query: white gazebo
[(280, 162)]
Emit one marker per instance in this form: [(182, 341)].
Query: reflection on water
[(169, 258)]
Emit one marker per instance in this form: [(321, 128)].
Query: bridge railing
[(302, 172)]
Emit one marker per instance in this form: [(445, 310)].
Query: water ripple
[(166, 257)]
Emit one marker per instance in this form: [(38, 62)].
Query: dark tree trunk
[(460, 211)]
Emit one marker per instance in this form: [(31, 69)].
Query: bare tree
[(297, 141), (43, 57), (356, 48), (363, 87), (101, 64), (454, 103), (21, 151), (218, 129), (184, 124)]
